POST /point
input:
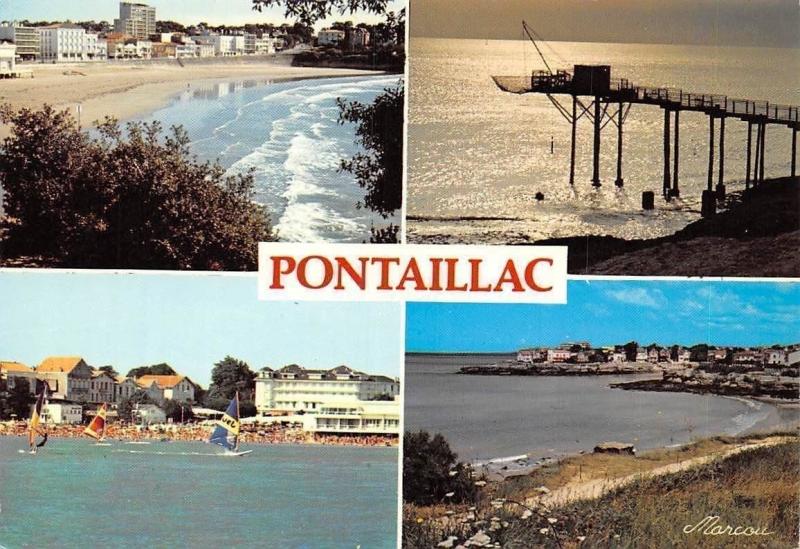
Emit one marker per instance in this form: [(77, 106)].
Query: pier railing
[(623, 89)]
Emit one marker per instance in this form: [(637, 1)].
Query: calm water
[(288, 134), (477, 151), (485, 417), (73, 494)]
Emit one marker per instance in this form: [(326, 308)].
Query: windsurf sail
[(97, 427), (226, 432), (35, 426)]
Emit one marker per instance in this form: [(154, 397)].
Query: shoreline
[(133, 91)]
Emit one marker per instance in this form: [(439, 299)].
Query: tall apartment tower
[(137, 20)]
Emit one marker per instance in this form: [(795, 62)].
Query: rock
[(479, 540), (543, 490), (448, 543)]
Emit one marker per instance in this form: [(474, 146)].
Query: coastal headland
[(127, 90), (512, 368), (757, 234)]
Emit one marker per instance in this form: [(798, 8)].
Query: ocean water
[(488, 417), (288, 135), (74, 494), (477, 155)]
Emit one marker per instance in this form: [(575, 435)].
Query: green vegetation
[(229, 376), (17, 400), (431, 472), (311, 11), (126, 405), (161, 369), (120, 198), (756, 487)]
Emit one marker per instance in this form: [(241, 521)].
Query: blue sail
[(227, 430)]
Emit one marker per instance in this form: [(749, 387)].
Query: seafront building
[(330, 37), (63, 43), (163, 387), (339, 400), (26, 39), (297, 389), (8, 59), (11, 372), (136, 20)]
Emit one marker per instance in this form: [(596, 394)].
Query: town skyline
[(232, 13), (606, 313), (190, 323)]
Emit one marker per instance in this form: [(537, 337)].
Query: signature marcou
[(710, 526)]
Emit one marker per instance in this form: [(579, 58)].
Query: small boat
[(97, 427), (226, 432), (35, 427)]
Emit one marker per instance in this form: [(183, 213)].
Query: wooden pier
[(605, 100)]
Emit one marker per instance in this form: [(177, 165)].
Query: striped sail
[(226, 431), (34, 428), (97, 427)]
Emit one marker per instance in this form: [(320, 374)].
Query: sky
[(189, 322), (615, 312), (214, 12), (711, 22)]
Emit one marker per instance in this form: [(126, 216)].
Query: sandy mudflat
[(125, 91)]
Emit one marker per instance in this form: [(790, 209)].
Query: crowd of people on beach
[(250, 434)]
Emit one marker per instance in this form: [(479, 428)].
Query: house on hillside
[(11, 372), (124, 388), (68, 377), (102, 387), (174, 387)]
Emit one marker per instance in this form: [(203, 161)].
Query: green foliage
[(122, 198), (430, 471), (109, 370), (384, 235), (177, 411), (379, 169), (311, 11), (162, 369), (228, 377), (126, 405), (15, 400)]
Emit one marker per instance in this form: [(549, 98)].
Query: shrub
[(122, 198), (431, 471)]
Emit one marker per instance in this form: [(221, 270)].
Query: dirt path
[(576, 490)]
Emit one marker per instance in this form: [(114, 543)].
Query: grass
[(758, 487)]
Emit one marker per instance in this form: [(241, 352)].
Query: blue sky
[(611, 312), (215, 12), (190, 322)]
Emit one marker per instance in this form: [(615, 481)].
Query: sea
[(494, 417), (477, 156), (288, 135), (75, 494)]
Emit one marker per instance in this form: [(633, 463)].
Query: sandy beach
[(128, 90)]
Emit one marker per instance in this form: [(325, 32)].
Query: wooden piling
[(794, 152), (596, 160), (758, 154), (749, 153), (619, 182), (675, 191), (710, 152), (763, 151), (721, 179), (667, 176), (572, 145)]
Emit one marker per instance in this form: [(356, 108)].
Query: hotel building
[(294, 388), (136, 20), (63, 43), (26, 39)]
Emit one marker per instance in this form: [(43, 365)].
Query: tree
[(126, 405), (122, 198), (631, 348), (228, 377), (16, 400), (178, 411), (109, 370), (161, 369), (310, 11), (431, 472), (379, 169)]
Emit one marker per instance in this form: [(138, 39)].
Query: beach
[(127, 91)]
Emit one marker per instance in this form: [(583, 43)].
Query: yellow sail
[(97, 427)]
